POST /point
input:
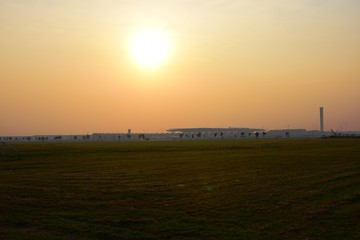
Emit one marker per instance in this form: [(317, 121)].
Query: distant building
[(179, 134), (214, 133), (281, 133), (321, 119)]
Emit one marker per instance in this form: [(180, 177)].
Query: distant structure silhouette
[(321, 119)]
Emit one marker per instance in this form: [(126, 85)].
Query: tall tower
[(321, 119)]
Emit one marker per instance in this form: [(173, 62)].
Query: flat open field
[(250, 189)]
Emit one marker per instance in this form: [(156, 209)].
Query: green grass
[(250, 189)]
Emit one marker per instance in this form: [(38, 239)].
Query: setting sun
[(149, 48)]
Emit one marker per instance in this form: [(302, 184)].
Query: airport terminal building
[(174, 134)]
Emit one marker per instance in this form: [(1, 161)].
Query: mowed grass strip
[(250, 189)]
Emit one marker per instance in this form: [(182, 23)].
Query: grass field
[(250, 189)]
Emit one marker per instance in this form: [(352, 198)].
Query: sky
[(66, 68)]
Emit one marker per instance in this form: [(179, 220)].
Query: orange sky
[(65, 67)]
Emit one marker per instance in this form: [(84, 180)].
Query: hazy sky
[(66, 69)]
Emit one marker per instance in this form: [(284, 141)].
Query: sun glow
[(149, 48)]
